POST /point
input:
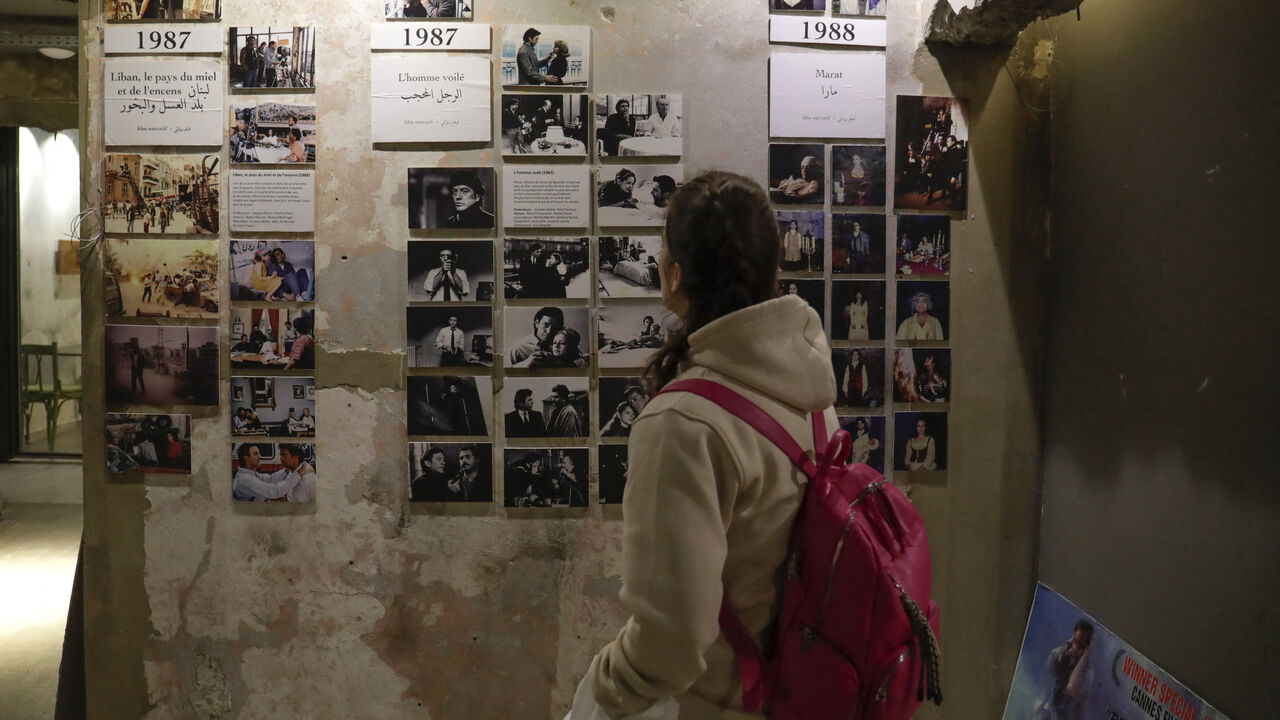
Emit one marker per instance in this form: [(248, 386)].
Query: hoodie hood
[(777, 348)]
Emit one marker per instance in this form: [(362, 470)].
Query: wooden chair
[(39, 382)]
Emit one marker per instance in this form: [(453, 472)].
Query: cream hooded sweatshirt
[(708, 508)]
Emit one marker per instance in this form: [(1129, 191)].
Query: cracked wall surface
[(363, 606)]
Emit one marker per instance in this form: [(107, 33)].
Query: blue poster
[(1073, 668)]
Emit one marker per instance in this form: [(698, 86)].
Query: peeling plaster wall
[(363, 606)]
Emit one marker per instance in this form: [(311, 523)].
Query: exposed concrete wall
[(37, 91), (1160, 495), (366, 607)]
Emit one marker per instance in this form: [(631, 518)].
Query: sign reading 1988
[(162, 39), (860, 32), (431, 36)]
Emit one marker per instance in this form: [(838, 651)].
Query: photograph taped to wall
[(546, 268), (126, 10), (867, 432), (932, 154), (873, 8), (924, 310), (160, 194), (548, 337), (813, 292), (788, 5), (919, 441), (859, 376), (273, 472), (627, 336), (451, 405), (858, 244), (161, 365), (450, 472), (640, 125), (546, 407), (450, 271), (148, 443), (273, 406), (924, 245), (796, 174), (621, 401), (613, 473), (452, 198), (857, 175), (431, 98), (857, 309), (271, 270), (429, 9), (628, 267), (921, 375), (803, 234), (160, 278), (546, 477), (552, 55), (544, 124), (273, 132), (272, 338), (449, 336), (636, 195), (272, 58)]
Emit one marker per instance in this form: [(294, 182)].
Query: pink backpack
[(856, 629)]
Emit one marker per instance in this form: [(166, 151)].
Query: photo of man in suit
[(524, 421)]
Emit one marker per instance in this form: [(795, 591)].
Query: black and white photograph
[(272, 338), (449, 337), (803, 234), (794, 5), (273, 472), (272, 132), (857, 310), (155, 194), (621, 401), (125, 10), (628, 335), (450, 271), (636, 195), (628, 267), (147, 277), (814, 292), (451, 198), (859, 375), (547, 337), (858, 244), (924, 310), (796, 174), (148, 443), (450, 472), (544, 125), (924, 245), (161, 365), (543, 407), (273, 406), (919, 441), (613, 473), (547, 268), (273, 270), (932, 155), (857, 176), (921, 375), (872, 8), (552, 55), (451, 405), (429, 9), (867, 432), (640, 125), (272, 58), (546, 477)]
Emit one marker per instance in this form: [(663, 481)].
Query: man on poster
[(251, 485), (618, 127), (663, 124), (545, 324), (301, 477), (470, 483), (528, 64), (447, 282), (859, 247), (1069, 666), (467, 191), (451, 342), (524, 421), (249, 63)]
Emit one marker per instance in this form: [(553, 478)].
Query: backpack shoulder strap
[(751, 414)]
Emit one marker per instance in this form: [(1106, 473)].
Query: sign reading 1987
[(431, 36), (163, 39), (858, 32)]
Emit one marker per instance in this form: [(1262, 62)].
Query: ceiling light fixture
[(57, 53)]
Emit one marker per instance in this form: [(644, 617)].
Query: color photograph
[(546, 477), (273, 472), (272, 339), (859, 376), (543, 407), (161, 365), (857, 175), (125, 10), (932, 155), (814, 292), (921, 375), (796, 174), (451, 198), (924, 245), (273, 270), (872, 8), (147, 443), (450, 405), (450, 472), (160, 278), (924, 310), (628, 267), (547, 337), (919, 441), (621, 401), (429, 9), (546, 268), (857, 309), (544, 125), (858, 244), (270, 406), (627, 336), (551, 55), (273, 132), (160, 194), (450, 271), (449, 337), (640, 125), (868, 444), (803, 234), (636, 195), (272, 58)]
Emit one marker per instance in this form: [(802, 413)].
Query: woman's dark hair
[(722, 232)]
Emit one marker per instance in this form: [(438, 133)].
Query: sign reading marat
[(163, 103)]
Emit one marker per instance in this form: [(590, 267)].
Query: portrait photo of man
[(451, 198)]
